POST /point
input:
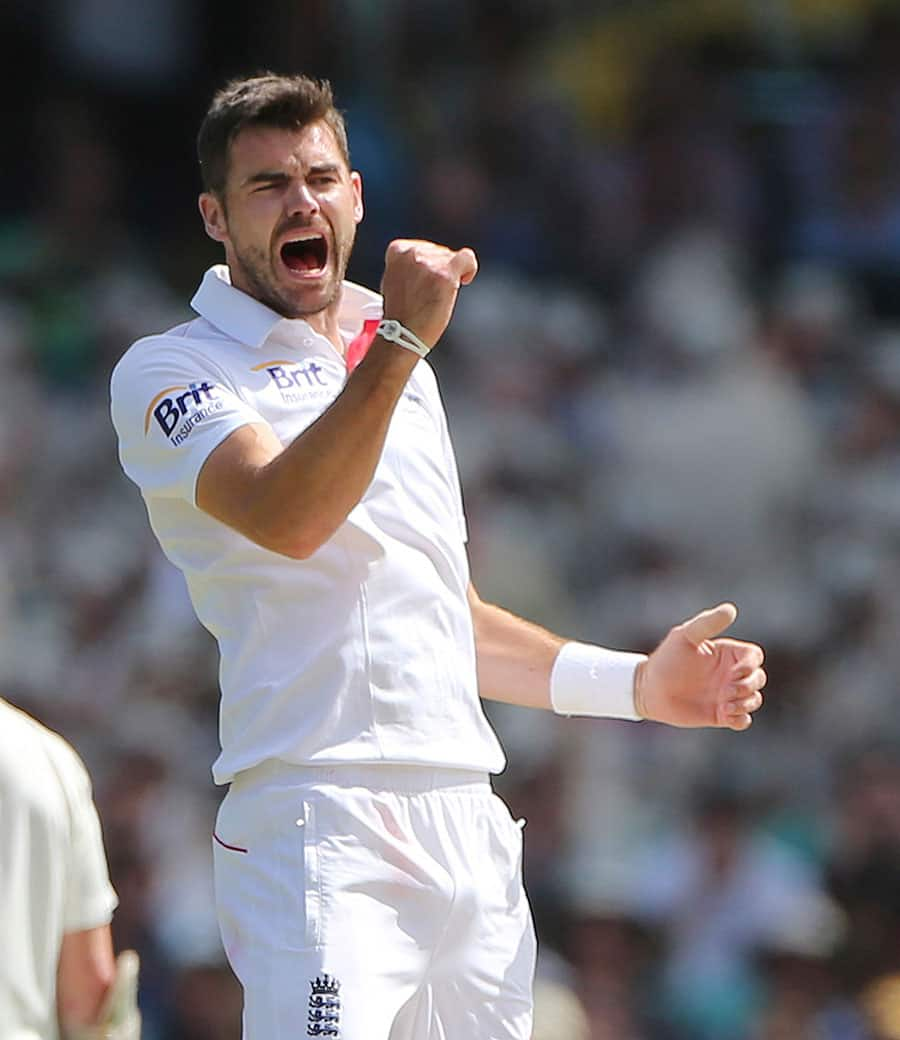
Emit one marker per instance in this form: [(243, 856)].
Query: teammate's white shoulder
[(30, 736)]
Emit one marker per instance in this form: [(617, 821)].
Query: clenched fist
[(420, 284)]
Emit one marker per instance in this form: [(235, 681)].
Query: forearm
[(515, 657), (117, 1017), (522, 663), (314, 484), (291, 500), (84, 975)]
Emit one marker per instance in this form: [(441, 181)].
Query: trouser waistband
[(400, 779)]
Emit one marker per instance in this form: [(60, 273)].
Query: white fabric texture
[(53, 872), (401, 884), (365, 651)]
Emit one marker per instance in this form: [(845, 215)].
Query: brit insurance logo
[(178, 409), (296, 382)]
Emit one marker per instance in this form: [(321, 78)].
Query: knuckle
[(445, 274), (399, 247)]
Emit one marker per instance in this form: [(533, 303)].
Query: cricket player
[(58, 975), (293, 455)]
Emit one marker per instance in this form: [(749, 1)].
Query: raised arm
[(693, 678), (293, 499)]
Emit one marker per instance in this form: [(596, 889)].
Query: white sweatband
[(394, 332), (591, 680)]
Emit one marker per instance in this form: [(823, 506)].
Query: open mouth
[(305, 255)]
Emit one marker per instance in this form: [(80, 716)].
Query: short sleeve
[(89, 898), (171, 408)]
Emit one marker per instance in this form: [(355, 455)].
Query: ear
[(213, 212), (358, 208)]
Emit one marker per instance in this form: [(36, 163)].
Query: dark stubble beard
[(258, 272)]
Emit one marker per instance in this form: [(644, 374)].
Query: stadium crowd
[(688, 222)]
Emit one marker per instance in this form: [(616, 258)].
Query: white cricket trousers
[(374, 903)]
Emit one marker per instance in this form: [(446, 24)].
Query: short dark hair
[(266, 99)]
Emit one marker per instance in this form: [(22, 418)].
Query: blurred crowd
[(675, 381)]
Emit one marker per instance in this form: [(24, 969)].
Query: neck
[(326, 324), (324, 321)]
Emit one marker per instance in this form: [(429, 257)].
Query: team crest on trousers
[(324, 1018)]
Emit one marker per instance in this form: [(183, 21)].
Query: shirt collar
[(250, 322)]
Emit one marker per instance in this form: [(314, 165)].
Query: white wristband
[(590, 680), (394, 332)]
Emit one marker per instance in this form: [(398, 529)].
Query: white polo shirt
[(53, 874), (365, 651)]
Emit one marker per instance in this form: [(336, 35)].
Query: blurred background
[(675, 381)]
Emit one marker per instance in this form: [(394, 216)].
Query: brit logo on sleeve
[(324, 1017), (178, 409)]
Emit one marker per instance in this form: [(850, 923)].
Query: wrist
[(394, 331), (591, 680), (385, 366), (120, 1018)]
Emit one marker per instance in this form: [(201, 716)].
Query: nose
[(300, 201)]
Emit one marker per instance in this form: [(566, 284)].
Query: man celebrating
[(293, 455)]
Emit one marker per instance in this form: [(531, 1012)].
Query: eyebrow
[(276, 176), (265, 177), (325, 168)]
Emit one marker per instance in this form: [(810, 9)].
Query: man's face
[(288, 218)]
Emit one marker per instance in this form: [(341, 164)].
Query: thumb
[(709, 623), (465, 265)]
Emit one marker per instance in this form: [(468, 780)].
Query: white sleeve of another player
[(89, 895), (171, 408)]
